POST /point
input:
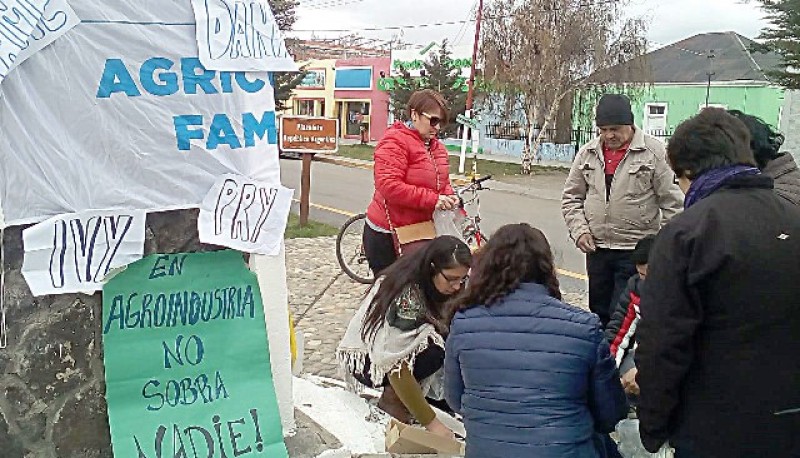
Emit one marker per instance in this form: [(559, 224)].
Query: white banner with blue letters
[(119, 113)]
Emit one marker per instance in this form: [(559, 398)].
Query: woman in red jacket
[(412, 178)]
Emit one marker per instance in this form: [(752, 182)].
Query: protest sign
[(245, 215), (18, 19), (187, 361), (73, 253), (150, 125), (240, 35), (57, 19)]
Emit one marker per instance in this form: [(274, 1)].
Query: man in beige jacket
[(619, 190)]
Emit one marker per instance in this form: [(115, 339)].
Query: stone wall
[(51, 373)]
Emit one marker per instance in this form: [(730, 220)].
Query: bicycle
[(473, 236), (350, 249)]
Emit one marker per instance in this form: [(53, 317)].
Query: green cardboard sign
[(187, 360)]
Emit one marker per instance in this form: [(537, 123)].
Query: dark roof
[(687, 60)]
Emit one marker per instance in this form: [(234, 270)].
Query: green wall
[(683, 101)]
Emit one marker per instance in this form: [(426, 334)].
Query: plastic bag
[(448, 222), (630, 443)]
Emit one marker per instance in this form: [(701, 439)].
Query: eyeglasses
[(455, 281), (434, 120)]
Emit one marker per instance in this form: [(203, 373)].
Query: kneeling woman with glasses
[(396, 338)]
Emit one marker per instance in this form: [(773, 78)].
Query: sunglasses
[(434, 120)]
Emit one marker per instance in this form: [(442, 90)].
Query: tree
[(285, 82), (400, 87), (536, 52), (285, 13), (442, 74), (783, 37)]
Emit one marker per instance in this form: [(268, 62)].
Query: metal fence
[(577, 137)]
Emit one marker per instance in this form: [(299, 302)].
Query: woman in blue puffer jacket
[(531, 375)]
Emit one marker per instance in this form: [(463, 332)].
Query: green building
[(714, 69)]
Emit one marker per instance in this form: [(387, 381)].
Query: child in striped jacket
[(621, 330)]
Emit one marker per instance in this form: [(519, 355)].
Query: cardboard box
[(405, 439)]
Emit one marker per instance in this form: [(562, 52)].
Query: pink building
[(357, 99)]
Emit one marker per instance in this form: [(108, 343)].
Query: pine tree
[(285, 13), (439, 73), (443, 76), (285, 82), (400, 90), (783, 37)]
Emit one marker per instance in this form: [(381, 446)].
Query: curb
[(344, 161)]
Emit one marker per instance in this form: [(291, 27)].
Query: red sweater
[(405, 176)]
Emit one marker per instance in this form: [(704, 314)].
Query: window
[(354, 78), (314, 79), (712, 105), (655, 118), (304, 107)]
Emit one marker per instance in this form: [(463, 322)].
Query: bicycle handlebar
[(475, 185)]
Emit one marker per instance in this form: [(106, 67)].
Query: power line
[(325, 4), (460, 35), (378, 29), (446, 23)]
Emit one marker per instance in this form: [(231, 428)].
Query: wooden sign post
[(308, 136), (305, 188)]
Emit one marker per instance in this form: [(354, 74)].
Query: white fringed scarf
[(388, 349)]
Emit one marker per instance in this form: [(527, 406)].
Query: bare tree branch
[(536, 52)]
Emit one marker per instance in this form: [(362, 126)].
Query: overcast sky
[(670, 21)]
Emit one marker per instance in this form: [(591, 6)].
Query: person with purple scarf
[(719, 372)]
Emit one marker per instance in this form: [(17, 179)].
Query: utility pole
[(471, 84), (710, 73), (471, 92)]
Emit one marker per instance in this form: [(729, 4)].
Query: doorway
[(352, 115)]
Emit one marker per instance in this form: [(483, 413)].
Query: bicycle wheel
[(350, 250)]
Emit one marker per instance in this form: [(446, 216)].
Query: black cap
[(614, 110), (642, 251)]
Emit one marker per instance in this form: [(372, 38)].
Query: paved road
[(348, 190)]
